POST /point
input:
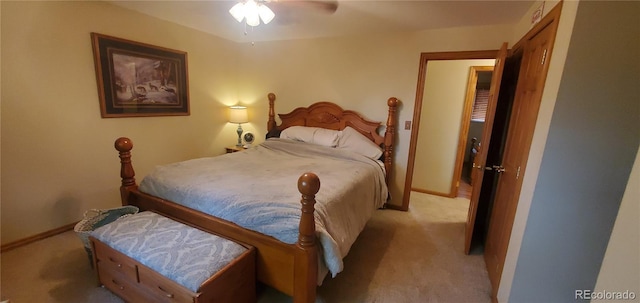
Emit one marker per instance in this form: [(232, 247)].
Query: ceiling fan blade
[(329, 6), (326, 6)]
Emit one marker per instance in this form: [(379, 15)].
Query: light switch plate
[(407, 125)]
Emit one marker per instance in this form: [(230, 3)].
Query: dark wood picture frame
[(138, 80)]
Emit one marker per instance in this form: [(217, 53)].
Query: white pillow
[(313, 135), (351, 139)]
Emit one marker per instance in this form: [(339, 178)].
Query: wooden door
[(533, 70), (479, 161)]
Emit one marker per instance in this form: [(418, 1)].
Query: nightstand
[(233, 149)]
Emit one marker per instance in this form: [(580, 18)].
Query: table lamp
[(238, 114)]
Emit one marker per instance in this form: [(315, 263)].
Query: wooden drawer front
[(111, 259), (163, 289), (121, 286)]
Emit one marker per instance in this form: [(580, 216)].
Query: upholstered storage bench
[(150, 258)]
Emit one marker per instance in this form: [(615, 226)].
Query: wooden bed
[(290, 268)]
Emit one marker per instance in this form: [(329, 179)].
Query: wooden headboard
[(332, 116)]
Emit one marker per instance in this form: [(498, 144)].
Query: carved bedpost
[(308, 185), (271, 123), (389, 137), (124, 146), (306, 267)]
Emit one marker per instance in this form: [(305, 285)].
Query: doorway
[(445, 114), (444, 187), (532, 55)]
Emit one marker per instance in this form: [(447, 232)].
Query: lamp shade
[(238, 114)]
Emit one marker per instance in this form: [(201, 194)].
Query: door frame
[(417, 109)]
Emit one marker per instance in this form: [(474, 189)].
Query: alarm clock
[(248, 139)]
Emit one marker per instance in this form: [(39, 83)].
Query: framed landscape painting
[(137, 79)]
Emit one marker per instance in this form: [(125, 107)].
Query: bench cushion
[(184, 254)]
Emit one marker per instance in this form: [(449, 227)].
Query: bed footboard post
[(389, 137), (271, 123), (124, 146), (306, 260)]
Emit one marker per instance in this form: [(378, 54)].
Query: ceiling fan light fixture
[(265, 13), (252, 12), (237, 11)]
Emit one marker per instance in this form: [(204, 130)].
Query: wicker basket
[(95, 218)]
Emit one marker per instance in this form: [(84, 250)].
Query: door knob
[(497, 168)]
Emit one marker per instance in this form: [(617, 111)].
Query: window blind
[(480, 105)]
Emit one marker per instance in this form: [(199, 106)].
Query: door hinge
[(518, 173), (544, 56)]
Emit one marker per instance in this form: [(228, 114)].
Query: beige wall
[(57, 153), (440, 120)]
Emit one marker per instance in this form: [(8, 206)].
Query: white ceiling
[(352, 17)]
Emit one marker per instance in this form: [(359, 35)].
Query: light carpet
[(414, 256)]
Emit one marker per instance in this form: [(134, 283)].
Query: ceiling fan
[(254, 11)]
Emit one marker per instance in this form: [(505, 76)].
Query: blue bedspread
[(257, 189)]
